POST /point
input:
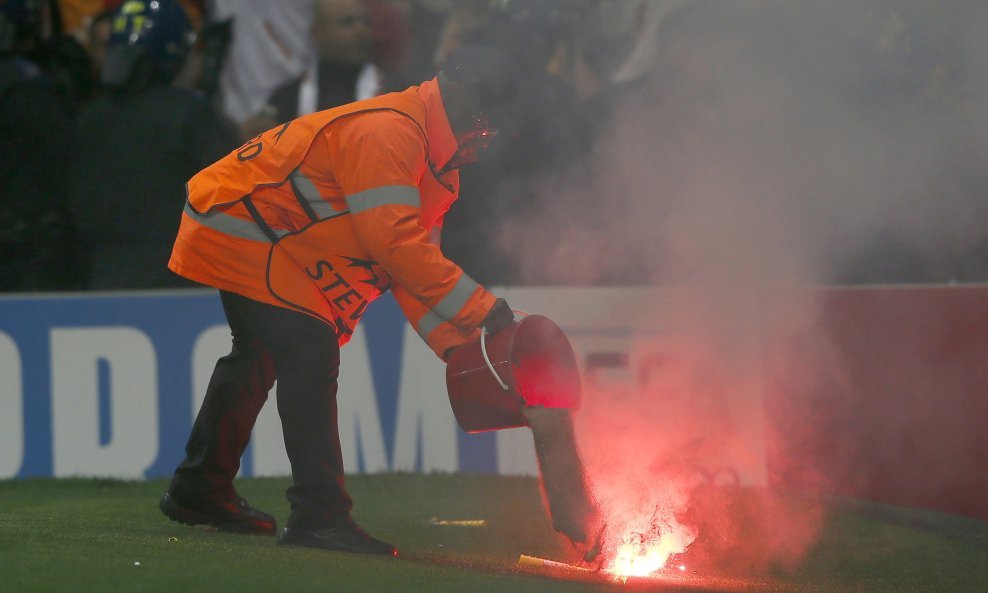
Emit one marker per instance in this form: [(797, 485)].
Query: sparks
[(636, 559), (642, 553)]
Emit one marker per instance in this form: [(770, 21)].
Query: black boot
[(343, 535), (234, 515)]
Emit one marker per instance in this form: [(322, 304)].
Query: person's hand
[(499, 317)]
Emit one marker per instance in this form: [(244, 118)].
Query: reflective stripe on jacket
[(326, 212)]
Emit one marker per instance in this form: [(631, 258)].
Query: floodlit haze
[(772, 145)]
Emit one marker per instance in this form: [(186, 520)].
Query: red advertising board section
[(884, 396)]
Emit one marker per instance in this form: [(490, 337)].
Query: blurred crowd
[(96, 143), (96, 146)]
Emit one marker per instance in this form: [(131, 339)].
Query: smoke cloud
[(773, 146), (779, 142)]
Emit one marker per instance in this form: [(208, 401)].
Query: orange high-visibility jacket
[(324, 213)]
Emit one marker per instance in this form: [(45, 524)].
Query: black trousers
[(300, 352)]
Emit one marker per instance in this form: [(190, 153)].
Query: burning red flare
[(647, 543), (637, 557)]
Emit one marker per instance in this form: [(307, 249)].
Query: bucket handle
[(487, 359)]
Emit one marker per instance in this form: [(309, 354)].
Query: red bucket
[(531, 364)]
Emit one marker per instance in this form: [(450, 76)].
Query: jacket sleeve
[(378, 160)]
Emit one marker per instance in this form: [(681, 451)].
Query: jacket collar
[(442, 141)]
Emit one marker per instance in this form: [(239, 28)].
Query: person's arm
[(379, 158)]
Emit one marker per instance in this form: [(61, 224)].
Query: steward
[(300, 228)]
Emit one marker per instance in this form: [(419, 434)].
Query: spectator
[(144, 138), (60, 57), (97, 39), (392, 38), (271, 45), (76, 15), (342, 71), (536, 141), (579, 56), (406, 33), (35, 233)]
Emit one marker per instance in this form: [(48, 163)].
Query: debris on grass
[(536, 562), (458, 522)]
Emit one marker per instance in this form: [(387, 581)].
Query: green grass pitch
[(104, 536)]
